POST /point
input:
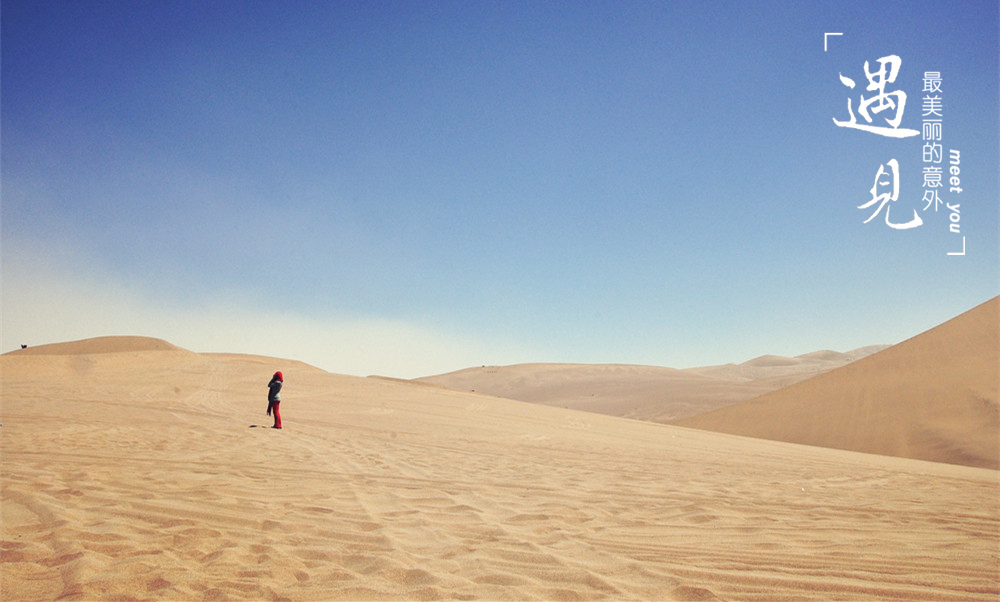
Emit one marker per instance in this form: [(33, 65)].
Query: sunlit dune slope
[(113, 344), (152, 474)]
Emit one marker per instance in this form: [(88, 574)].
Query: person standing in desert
[(274, 398)]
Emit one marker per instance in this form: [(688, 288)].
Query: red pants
[(277, 415)]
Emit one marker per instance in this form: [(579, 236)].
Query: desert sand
[(652, 393), (931, 397), (132, 469)]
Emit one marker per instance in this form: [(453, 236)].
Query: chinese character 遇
[(881, 101)]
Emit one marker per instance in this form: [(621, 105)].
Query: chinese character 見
[(891, 195)]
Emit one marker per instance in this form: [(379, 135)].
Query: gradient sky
[(409, 188)]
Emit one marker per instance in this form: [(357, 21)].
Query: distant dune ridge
[(113, 344), (779, 368), (932, 397), (651, 393), (133, 469)]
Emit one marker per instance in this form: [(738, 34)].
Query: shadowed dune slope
[(642, 392), (931, 397), (652, 393), (151, 475)]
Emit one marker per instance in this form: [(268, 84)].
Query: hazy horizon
[(412, 188)]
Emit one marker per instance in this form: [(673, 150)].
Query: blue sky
[(408, 188)]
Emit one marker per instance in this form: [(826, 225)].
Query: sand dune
[(117, 344), (149, 474), (640, 392), (786, 370), (652, 393), (932, 397)]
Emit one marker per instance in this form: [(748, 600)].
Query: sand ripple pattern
[(140, 477)]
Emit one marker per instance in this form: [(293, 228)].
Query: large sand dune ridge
[(131, 473), (932, 397)]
